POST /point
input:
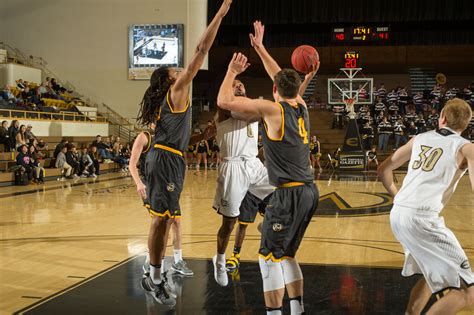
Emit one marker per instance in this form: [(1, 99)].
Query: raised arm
[(238, 104), (394, 161), (140, 142), (307, 79), (186, 77), (256, 40)]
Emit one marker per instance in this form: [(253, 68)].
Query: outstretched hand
[(313, 72), (256, 40), (238, 64)]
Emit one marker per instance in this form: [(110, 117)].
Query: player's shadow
[(156, 54)]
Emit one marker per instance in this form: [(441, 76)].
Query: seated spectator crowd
[(74, 162), (27, 96), (399, 117)]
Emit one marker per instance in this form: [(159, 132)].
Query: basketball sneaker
[(159, 292), (181, 268), (233, 262), (220, 273)]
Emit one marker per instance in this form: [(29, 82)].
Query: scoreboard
[(361, 34)]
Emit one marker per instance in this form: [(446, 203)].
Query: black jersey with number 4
[(287, 157), (173, 128)]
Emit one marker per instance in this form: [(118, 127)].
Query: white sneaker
[(220, 273), (94, 175)]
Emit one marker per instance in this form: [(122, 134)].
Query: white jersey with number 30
[(433, 172)]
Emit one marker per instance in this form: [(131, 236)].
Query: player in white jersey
[(438, 159), (239, 173)]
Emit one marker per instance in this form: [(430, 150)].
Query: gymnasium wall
[(9, 72), (66, 129), (86, 42)]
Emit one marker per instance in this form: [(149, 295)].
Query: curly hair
[(154, 95)]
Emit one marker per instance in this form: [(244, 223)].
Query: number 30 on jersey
[(428, 158)]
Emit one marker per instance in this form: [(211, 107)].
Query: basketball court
[(82, 249)]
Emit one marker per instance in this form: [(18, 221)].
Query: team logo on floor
[(334, 205)]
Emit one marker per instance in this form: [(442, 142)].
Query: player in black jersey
[(286, 147), (166, 103)]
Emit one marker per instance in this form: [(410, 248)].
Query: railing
[(61, 116)]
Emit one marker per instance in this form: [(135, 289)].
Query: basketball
[(304, 58)]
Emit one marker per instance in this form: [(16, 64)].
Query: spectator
[(21, 85), (38, 170), (64, 142), (367, 136), (372, 157), (412, 130), (382, 92), (7, 95), (20, 138), (203, 148), (379, 107), (38, 151), (23, 160), (102, 148), (385, 129), (96, 159), (88, 168), (113, 141), (403, 99), (4, 137), (418, 101), (420, 123), (119, 157), (432, 122), (400, 133), (392, 97), (338, 110), (12, 132), (30, 136), (315, 156), (73, 160), (61, 163)]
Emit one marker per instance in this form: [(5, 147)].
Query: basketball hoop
[(350, 107)]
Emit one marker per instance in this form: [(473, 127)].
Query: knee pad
[(291, 270), (272, 275)]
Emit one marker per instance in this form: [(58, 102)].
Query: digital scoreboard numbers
[(351, 60), (361, 34)]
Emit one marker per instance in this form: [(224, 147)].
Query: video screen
[(152, 46)]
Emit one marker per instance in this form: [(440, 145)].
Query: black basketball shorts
[(164, 182), (249, 207), (287, 215)]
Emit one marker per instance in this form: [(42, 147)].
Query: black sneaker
[(159, 292)]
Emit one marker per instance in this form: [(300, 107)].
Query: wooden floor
[(56, 235)]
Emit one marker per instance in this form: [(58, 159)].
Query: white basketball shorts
[(430, 248), (235, 177)]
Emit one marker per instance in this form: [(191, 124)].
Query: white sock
[(220, 259), (178, 255), (296, 305), (155, 274), (275, 312)]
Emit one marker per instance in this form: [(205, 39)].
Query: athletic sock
[(274, 311), (296, 305), (178, 255), (155, 273), (220, 259), (237, 250)]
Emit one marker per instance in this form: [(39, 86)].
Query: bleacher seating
[(7, 159)]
